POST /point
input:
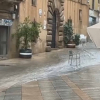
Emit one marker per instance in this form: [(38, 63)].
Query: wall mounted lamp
[(13, 15)]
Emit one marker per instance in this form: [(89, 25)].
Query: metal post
[(79, 59), (76, 59), (71, 60)]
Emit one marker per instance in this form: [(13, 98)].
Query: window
[(80, 1), (80, 14), (92, 21), (92, 4), (34, 2), (98, 1)]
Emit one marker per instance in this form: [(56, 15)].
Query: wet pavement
[(80, 85), (49, 76)]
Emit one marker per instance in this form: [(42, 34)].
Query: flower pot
[(71, 44), (25, 53)]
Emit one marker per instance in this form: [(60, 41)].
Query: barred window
[(34, 2)]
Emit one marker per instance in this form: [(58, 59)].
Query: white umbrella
[(94, 33)]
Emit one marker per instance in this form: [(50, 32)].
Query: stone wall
[(5, 10), (28, 10)]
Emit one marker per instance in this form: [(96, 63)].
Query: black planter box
[(25, 53)]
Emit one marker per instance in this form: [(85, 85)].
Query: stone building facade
[(52, 14), (94, 12)]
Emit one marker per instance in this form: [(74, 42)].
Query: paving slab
[(14, 90), (12, 97), (2, 95), (31, 97), (52, 98)]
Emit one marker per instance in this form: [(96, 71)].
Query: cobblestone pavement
[(80, 85), (49, 76)]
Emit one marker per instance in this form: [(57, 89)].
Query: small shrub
[(27, 33), (68, 32), (76, 39)]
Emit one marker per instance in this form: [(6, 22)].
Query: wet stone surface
[(80, 85), (49, 76)]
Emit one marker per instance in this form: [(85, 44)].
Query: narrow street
[(62, 38), (46, 65), (49, 76)]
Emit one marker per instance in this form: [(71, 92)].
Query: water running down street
[(46, 65)]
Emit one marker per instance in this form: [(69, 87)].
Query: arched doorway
[(53, 45), (55, 19)]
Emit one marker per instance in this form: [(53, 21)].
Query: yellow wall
[(90, 3), (27, 10), (95, 4), (72, 10)]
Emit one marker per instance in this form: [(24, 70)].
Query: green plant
[(26, 33), (68, 31), (76, 39)]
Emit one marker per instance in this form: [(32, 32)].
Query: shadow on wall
[(38, 47)]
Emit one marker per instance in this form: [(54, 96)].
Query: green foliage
[(76, 39), (35, 30), (27, 32), (68, 32)]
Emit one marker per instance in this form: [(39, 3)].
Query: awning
[(94, 33)]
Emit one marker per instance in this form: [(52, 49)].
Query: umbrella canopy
[(94, 33)]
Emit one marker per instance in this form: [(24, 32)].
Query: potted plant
[(76, 39), (26, 33), (68, 34)]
